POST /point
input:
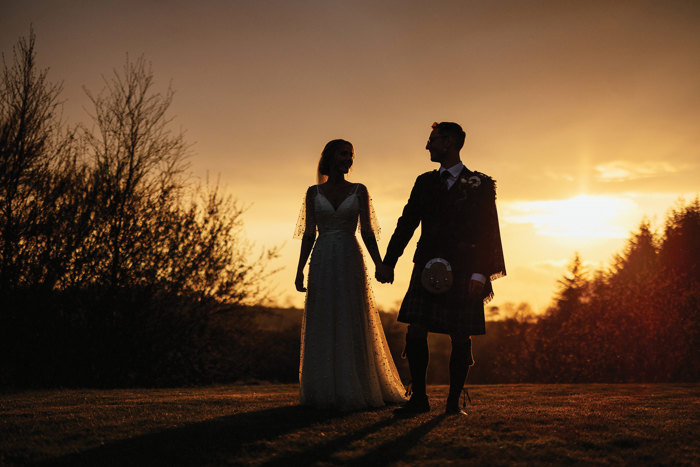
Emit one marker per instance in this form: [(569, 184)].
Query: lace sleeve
[(306, 220), (368, 218)]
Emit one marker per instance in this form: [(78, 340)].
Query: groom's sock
[(460, 361), (418, 355)]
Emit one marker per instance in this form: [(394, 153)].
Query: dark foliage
[(112, 262), (636, 321)]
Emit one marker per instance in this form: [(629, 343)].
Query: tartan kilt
[(452, 312)]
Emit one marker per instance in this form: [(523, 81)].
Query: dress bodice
[(343, 219), (346, 218)]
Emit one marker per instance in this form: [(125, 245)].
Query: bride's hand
[(299, 282), (384, 274)]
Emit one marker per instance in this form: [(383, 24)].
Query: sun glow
[(584, 216)]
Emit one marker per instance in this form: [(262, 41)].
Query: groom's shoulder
[(429, 173), (484, 183), (426, 176), (483, 177)]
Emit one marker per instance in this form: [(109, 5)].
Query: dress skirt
[(345, 360)]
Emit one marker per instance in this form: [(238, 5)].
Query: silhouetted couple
[(345, 359)]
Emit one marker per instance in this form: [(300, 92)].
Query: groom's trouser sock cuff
[(418, 355), (462, 347), (460, 361)]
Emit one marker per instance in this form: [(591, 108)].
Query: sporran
[(437, 276)]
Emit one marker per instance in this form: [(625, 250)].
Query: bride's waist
[(336, 232)]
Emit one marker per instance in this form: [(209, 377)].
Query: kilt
[(453, 312)]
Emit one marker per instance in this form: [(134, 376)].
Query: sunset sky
[(587, 113)]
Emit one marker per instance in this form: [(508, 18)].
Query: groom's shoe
[(415, 405), (452, 407)]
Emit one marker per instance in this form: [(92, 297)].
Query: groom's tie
[(444, 176)]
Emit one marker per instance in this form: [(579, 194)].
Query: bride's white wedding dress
[(345, 360)]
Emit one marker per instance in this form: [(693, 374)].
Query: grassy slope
[(619, 424)]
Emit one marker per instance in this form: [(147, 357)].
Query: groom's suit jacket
[(459, 224)]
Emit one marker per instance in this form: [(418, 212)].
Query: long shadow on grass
[(390, 451), (397, 448), (219, 439)]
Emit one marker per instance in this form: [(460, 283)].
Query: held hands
[(384, 274), (299, 282)]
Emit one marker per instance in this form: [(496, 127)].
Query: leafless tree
[(155, 226), (137, 161), (37, 165), (105, 243)]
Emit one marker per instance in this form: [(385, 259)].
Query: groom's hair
[(453, 130)]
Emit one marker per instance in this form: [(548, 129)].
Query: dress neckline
[(335, 209)]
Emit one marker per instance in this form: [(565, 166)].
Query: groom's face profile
[(438, 146)]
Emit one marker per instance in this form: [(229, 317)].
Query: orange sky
[(586, 112)]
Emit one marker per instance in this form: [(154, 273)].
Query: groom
[(459, 223)]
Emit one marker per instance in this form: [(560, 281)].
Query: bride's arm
[(307, 240), (366, 230)]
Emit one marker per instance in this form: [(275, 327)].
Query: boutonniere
[(474, 181)]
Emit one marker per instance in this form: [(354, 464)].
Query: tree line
[(112, 257), (637, 320)]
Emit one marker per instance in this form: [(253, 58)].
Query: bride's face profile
[(336, 160), (342, 159)]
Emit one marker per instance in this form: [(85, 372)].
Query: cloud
[(619, 171)]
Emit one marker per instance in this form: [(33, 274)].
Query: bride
[(345, 359)]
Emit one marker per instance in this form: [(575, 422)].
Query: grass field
[(629, 424)]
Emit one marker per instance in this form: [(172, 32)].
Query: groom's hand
[(475, 288), (384, 273)]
